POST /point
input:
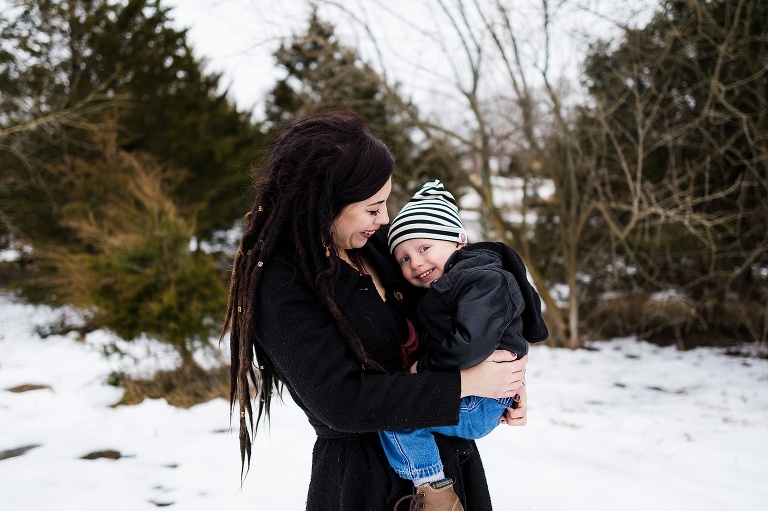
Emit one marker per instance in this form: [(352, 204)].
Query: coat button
[(399, 296)]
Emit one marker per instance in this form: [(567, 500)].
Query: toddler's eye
[(424, 248), (404, 259)]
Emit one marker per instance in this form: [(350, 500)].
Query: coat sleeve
[(481, 308), (312, 358)]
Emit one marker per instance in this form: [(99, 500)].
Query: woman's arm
[(500, 375), (313, 360)]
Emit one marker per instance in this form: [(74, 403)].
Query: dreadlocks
[(315, 167)]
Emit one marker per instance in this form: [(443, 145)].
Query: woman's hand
[(500, 375), (517, 416)]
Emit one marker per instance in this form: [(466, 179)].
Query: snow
[(624, 426)]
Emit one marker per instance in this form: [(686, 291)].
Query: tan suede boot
[(437, 496)]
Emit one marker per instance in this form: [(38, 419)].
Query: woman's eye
[(375, 212)]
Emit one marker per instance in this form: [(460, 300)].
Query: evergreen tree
[(59, 56), (116, 149), (177, 112), (134, 270), (40, 120), (322, 73)]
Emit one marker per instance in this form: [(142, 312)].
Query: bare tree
[(657, 180), (512, 137), (683, 105)]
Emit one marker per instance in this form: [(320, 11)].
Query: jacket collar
[(471, 250)]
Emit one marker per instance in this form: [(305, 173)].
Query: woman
[(317, 299)]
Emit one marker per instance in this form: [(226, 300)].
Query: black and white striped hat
[(431, 214)]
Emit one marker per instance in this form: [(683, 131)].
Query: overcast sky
[(238, 37)]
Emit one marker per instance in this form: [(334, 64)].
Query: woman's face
[(359, 221)]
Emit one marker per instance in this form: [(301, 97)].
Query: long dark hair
[(315, 167)]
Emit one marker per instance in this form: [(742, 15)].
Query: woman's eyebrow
[(376, 203)]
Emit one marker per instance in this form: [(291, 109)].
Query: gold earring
[(327, 250)]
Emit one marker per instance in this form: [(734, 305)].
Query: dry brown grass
[(183, 387), (673, 321)]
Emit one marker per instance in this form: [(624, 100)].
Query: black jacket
[(348, 404), (482, 302)]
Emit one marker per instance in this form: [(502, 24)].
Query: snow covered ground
[(628, 426)]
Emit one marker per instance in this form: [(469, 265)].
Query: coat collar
[(377, 254)]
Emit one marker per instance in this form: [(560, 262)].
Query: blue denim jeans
[(413, 453)]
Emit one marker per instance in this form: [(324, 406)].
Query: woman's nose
[(382, 218)]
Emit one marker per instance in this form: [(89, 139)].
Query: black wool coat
[(346, 403)]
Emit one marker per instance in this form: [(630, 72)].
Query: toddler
[(478, 299)]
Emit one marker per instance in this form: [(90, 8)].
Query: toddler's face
[(422, 261)]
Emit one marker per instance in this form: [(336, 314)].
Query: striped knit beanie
[(431, 214)]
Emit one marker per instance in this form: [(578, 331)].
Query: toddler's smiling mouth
[(425, 274)]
